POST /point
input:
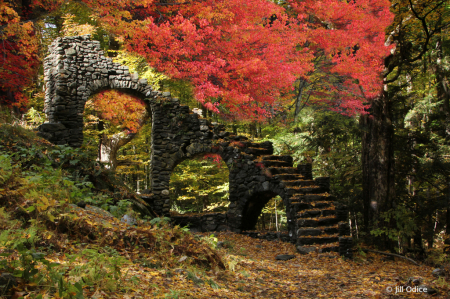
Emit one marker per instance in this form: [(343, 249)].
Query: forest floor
[(258, 274), (251, 271)]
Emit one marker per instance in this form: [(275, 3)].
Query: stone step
[(266, 144), (299, 206), (309, 213), (258, 151), (300, 183), (289, 177), (316, 222), (302, 190), (283, 170), (276, 163), (317, 231), (278, 158), (331, 247), (309, 198), (311, 240)]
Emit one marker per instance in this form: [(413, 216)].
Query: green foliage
[(191, 276), (199, 186), (34, 118), (31, 265), (274, 208), (213, 284), (160, 222), (99, 267), (139, 65), (405, 224), (137, 173), (173, 294), (5, 167), (211, 240)]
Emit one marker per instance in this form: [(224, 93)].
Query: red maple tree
[(351, 34), (241, 57)]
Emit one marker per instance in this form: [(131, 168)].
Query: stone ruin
[(76, 69)]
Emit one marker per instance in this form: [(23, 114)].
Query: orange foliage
[(120, 109)]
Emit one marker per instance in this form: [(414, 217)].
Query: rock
[(165, 192), (128, 219), (51, 127), (305, 250), (81, 204), (426, 289), (134, 76), (99, 211), (222, 228), (416, 280), (438, 272), (284, 257), (70, 52)]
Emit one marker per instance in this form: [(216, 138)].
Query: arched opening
[(112, 120), (273, 216), (264, 211), (199, 185)]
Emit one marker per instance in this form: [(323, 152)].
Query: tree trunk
[(443, 94), (298, 101), (378, 166), (110, 146)]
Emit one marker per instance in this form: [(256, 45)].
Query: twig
[(391, 254)]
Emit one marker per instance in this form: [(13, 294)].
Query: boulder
[(438, 272), (284, 257)]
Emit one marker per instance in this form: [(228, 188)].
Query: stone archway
[(74, 70), (253, 209), (203, 171), (77, 68)]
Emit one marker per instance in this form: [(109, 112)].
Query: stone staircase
[(319, 222)]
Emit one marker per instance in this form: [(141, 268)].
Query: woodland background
[(358, 89)]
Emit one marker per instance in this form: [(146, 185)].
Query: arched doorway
[(199, 185), (273, 216), (264, 210), (112, 119)]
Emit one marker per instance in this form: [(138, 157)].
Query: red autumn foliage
[(241, 57), (215, 158), (352, 35)]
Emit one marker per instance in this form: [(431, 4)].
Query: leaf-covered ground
[(177, 271)]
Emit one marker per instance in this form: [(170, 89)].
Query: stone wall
[(76, 69)]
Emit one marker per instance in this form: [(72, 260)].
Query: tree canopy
[(241, 58)]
